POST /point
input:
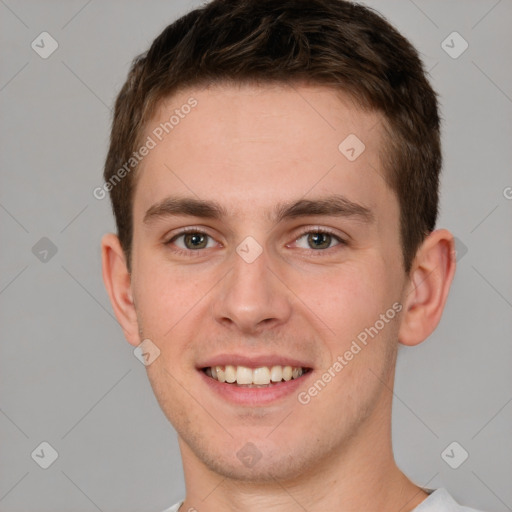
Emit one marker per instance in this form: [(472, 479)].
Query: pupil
[(320, 237)]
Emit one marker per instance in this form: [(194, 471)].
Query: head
[(260, 119)]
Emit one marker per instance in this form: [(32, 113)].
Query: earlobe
[(117, 281), (431, 276)]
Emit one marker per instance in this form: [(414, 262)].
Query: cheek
[(164, 297), (349, 302), (348, 296)]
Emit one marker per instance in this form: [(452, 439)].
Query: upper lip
[(252, 361)]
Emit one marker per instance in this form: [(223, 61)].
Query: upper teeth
[(245, 375)]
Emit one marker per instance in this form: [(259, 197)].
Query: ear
[(427, 290), (117, 281)]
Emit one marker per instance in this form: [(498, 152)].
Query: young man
[(274, 170)]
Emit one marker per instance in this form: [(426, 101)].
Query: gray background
[(68, 377)]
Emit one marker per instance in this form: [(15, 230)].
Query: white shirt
[(439, 501)]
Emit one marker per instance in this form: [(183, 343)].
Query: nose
[(252, 298)]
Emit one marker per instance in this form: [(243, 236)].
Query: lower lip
[(254, 396)]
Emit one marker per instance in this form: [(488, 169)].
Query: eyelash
[(306, 231)]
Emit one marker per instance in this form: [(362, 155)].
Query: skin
[(249, 148)]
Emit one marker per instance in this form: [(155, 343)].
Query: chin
[(267, 469), (263, 461)]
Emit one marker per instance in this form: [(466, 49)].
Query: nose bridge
[(251, 295)]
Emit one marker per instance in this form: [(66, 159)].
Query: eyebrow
[(333, 205)]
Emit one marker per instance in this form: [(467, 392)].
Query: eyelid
[(319, 229), (183, 231)]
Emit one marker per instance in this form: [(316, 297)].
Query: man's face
[(257, 289)]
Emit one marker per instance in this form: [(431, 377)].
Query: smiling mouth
[(261, 377)]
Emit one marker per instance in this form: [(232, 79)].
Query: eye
[(319, 239), (192, 240)]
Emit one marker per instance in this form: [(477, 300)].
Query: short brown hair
[(336, 43)]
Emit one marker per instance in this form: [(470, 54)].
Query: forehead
[(254, 146)]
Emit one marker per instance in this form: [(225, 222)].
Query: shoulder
[(441, 501), (174, 508)]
